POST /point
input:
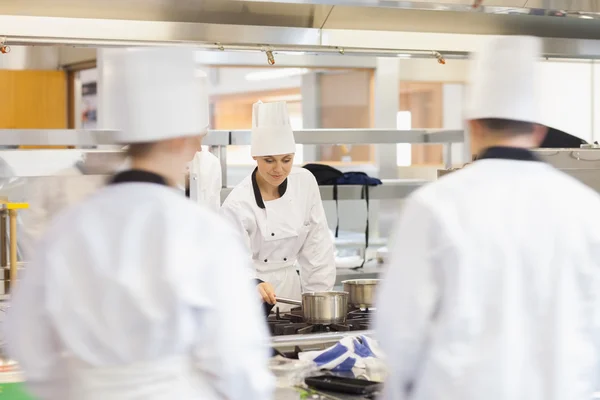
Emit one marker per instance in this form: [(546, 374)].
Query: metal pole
[(448, 155), (12, 214), (223, 159), (3, 240)]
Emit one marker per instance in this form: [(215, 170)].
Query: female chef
[(280, 210), (129, 295)]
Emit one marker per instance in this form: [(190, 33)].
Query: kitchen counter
[(307, 342), (293, 394)]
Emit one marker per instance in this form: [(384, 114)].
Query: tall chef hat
[(504, 80), (152, 94), (271, 130)]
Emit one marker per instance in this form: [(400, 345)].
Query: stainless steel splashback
[(582, 164)]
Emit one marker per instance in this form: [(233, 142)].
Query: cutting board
[(14, 391)]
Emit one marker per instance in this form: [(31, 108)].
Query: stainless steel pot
[(361, 292), (322, 307)]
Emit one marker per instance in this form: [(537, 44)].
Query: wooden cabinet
[(33, 99)]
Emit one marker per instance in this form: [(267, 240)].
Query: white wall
[(21, 57), (429, 70), (233, 80), (570, 93), (567, 97)]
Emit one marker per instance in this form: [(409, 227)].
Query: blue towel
[(346, 355)]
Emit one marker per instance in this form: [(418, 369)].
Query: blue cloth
[(348, 353), (357, 178)]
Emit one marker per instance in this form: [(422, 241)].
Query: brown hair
[(137, 150), (507, 126)]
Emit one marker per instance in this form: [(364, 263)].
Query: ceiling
[(323, 24)]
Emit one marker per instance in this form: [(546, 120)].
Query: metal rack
[(350, 136), (218, 140), (390, 189)]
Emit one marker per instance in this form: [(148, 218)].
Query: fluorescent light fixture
[(278, 73)]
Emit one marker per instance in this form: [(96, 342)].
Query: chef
[(205, 171), (279, 209), (493, 286), (131, 291)]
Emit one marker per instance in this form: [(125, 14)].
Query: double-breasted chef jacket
[(285, 233)]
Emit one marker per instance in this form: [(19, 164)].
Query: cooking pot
[(322, 307), (361, 292)]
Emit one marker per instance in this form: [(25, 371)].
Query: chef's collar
[(138, 175), (258, 197), (508, 153)]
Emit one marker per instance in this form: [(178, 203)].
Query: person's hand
[(267, 292)]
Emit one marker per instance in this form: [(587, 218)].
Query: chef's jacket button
[(285, 259), (272, 234), (266, 260)]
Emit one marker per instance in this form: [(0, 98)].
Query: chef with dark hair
[(493, 286)]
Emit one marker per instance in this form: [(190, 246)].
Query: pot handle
[(289, 301)]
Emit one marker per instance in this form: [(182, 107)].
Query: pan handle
[(289, 301)]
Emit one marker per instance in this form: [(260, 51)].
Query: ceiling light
[(279, 73)]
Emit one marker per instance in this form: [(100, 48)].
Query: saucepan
[(361, 292), (322, 307)]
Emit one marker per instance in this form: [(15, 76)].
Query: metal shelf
[(362, 136), (81, 137), (389, 190), (55, 137)]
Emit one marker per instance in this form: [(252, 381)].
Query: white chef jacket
[(130, 296), (493, 287), (284, 231), (205, 174)]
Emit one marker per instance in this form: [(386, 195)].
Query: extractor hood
[(377, 27)]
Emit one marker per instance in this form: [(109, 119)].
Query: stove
[(293, 323)]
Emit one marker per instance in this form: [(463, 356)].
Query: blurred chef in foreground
[(279, 209), (130, 292), (493, 287)]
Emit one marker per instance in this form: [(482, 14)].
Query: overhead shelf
[(81, 137), (362, 136), (389, 190)]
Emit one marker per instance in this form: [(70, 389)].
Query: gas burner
[(359, 314), (285, 326), (293, 323)]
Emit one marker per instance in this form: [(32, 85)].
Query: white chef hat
[(505, 81), (151, 94), (271, 130)]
